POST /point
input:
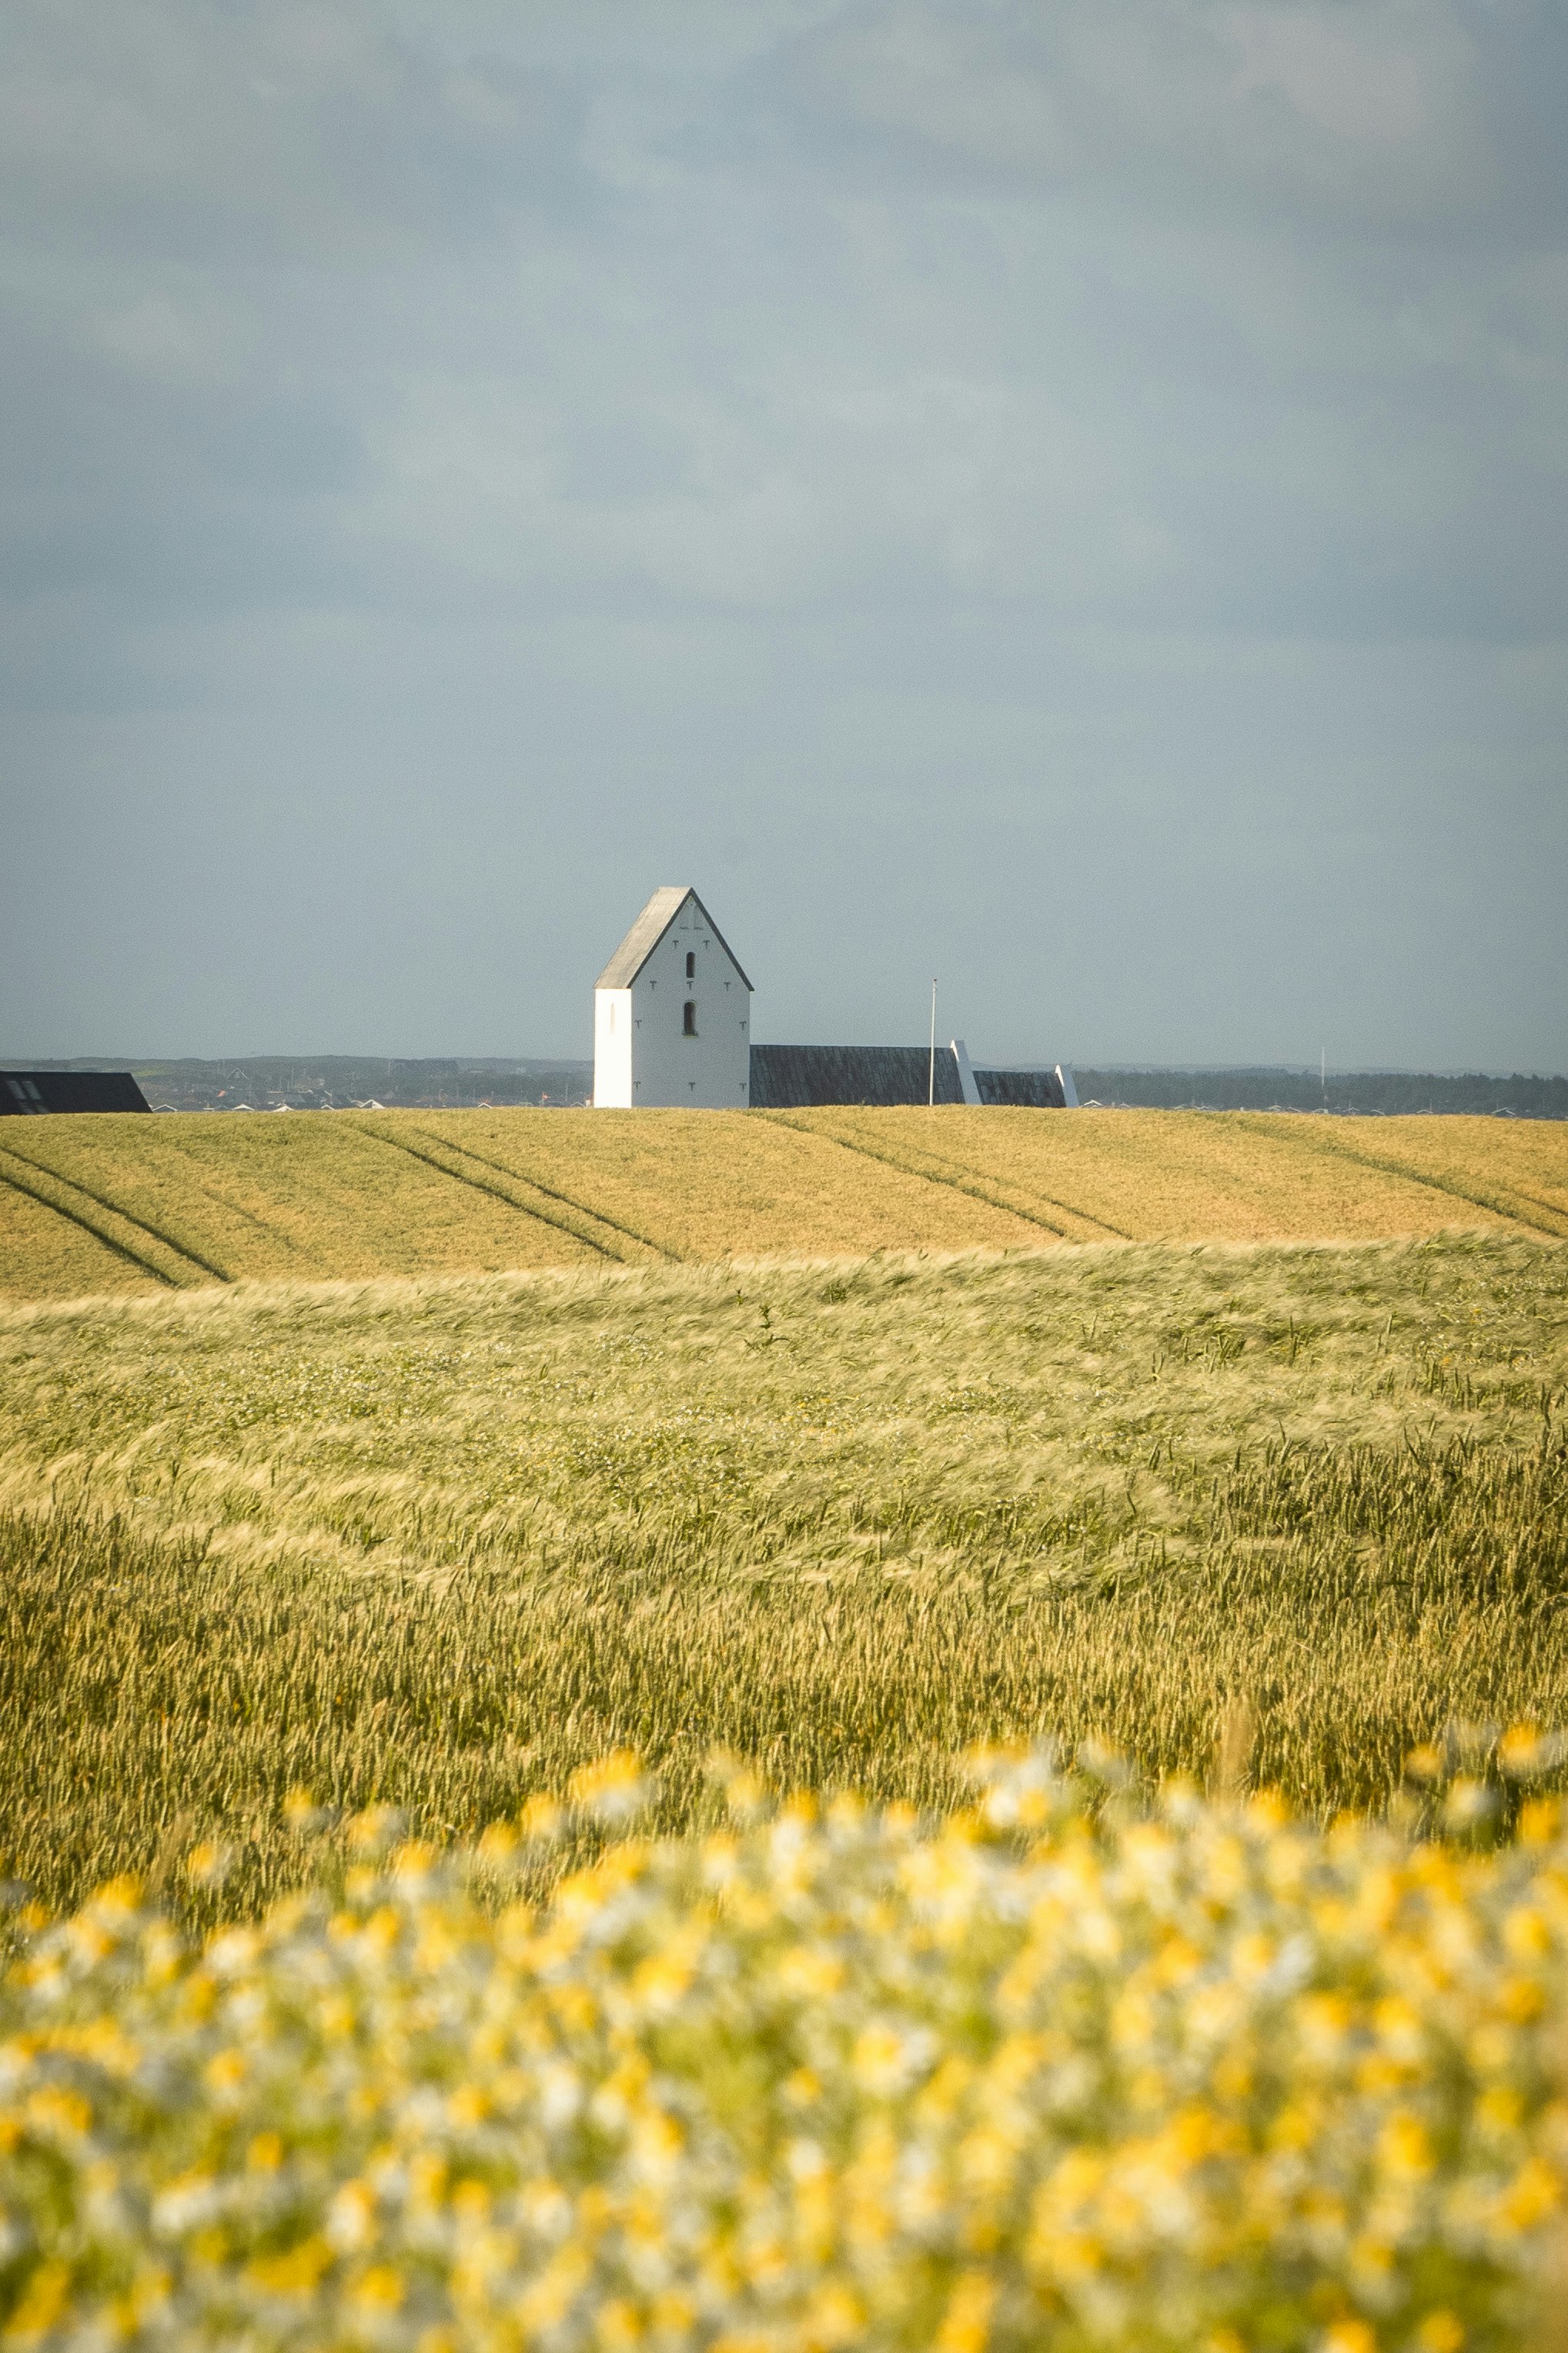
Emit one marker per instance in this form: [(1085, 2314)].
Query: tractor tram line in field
[(114, 1210), (1332, 1147), (223, 1199), (85, 1225), (1551, 1207), (908, 1168), (582, 1209), (1067, 1208), (480, 1185)]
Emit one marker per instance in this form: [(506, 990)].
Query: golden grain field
[(118, 1205), (439, 1541)]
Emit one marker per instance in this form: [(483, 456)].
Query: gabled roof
[(650, 928), (44, 1091), (790, 1077)]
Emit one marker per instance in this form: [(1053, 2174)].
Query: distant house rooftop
[(28, 1093)]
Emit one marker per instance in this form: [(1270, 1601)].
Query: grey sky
[(1070, 497)]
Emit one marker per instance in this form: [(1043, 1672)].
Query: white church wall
[(612, 1048), (645, 1054)]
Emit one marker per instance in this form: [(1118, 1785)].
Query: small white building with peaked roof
[(672, 1013)]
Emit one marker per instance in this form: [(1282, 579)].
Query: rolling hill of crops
[(118, 1204), (441, 1542)]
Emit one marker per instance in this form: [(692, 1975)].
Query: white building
[(672, 1016)]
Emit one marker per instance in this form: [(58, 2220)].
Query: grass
[(437, 1542), (128, 1206)]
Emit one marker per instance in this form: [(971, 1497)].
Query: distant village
[(363, 1082), (350, 1082)]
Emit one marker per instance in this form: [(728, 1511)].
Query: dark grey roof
[(792, 1076), (1040, 1088), (649, 929), (25, 1092)]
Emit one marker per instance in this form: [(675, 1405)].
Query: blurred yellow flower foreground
[(1202, 2077)]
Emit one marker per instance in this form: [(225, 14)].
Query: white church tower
[(672, 1016)]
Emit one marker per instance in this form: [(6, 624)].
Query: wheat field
[(998, 1483), (119, 1205), (439, 1541)]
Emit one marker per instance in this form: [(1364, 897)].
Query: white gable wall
[(612, 1047), (642, 1054)]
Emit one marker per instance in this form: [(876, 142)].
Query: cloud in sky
[(1073, 499)]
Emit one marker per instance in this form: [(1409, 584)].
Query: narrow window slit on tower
[(689, 1025)]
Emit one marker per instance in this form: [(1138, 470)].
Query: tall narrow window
[(689, 1025), (690, 965)]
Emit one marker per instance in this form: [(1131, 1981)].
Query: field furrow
[(75, 1188), (126, 1237), (984, 1176), (1475, 1179), (53, 1256), (591, 1224), (433, 1152)]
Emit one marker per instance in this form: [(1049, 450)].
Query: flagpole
[(930, 1080)]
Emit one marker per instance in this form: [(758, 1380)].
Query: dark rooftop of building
[(791, 1077), (28, 1093)]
